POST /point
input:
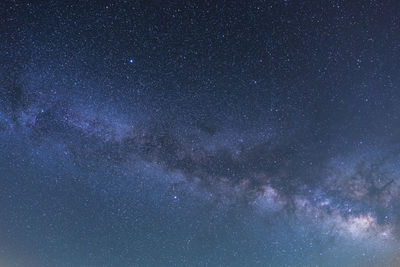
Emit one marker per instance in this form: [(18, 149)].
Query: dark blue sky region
[(199, 133)]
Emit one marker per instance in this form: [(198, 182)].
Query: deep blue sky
[(220, 133)]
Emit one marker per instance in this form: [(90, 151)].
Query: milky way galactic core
[(199, 133)]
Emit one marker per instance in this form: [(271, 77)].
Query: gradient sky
[(199, 133)]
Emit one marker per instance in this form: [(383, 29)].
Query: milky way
[(187, 134)]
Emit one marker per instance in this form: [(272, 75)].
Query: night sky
[(199, 133)]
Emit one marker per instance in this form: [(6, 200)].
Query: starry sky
[(199, 133)]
